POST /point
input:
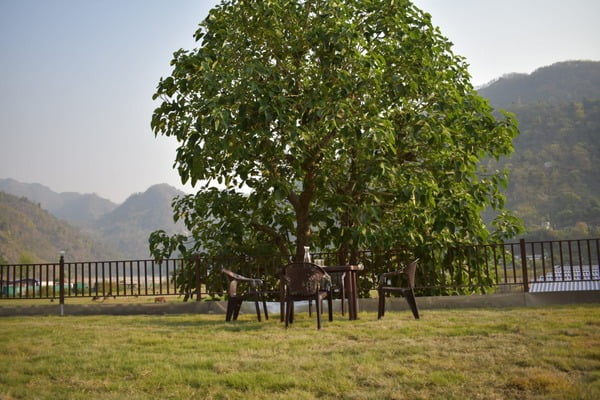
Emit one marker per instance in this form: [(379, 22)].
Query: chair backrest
[(410, 272), (233, 281), (302, 279)]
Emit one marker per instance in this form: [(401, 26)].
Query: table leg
[(281, 302), (354, 296), (351, 285)]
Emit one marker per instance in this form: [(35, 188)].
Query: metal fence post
[(61, 278), (524, 265)]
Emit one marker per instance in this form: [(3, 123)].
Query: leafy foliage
[(335, 124)]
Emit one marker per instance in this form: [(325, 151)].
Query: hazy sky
[(77, 76)]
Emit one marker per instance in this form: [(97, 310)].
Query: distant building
[(567, 279)]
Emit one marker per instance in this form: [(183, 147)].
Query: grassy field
[(89, 300), (522, 353)]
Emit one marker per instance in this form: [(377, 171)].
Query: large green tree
[(337, 124)]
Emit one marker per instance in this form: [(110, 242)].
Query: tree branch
[(275, 236)]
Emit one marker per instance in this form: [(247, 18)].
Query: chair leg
[(381, 308), (288, 311), (343, 297), (229, 311), (282, 304), (317, 301), (409, 295), (256, 305), (265, 308), (310, 308), (236, 309), (330, 307)]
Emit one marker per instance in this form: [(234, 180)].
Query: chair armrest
[(256, 282), (383, 277), (392, 273), (326, 283), (241, 278)]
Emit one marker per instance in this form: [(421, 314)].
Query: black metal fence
[(89, 279), (488, 268)]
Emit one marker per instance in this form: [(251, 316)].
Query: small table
[(351, 284)]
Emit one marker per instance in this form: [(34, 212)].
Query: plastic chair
[(303, 281), (235, 298), (408, 292)]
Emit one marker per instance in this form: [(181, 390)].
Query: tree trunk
[(301, 204)]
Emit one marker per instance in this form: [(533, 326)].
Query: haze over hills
[(122, 228), (78, 209)]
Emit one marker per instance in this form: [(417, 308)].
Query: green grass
[(19, 302), (521, 353)]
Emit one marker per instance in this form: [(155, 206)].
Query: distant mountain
[(124, 228), (78, 209), (558, 83), (554, 182), (128, 226), (30, 234)]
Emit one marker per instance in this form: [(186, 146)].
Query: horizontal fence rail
[(488, 268)]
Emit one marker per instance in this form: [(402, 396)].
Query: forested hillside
[(124, 228), (554, 180), (562, 82), (128, 227), (31, 234)]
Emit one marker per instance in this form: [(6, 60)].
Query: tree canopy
[(336, 124)]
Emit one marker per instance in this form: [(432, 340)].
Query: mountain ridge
[(128, 226), (559, 82), (77, 208), (124, 228), (30, 234)]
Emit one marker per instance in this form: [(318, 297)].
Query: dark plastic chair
[(338, 288), (235, 299), (385, 288), (306, 281)]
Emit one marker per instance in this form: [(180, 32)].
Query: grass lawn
[(88, 300), (521, 353)]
